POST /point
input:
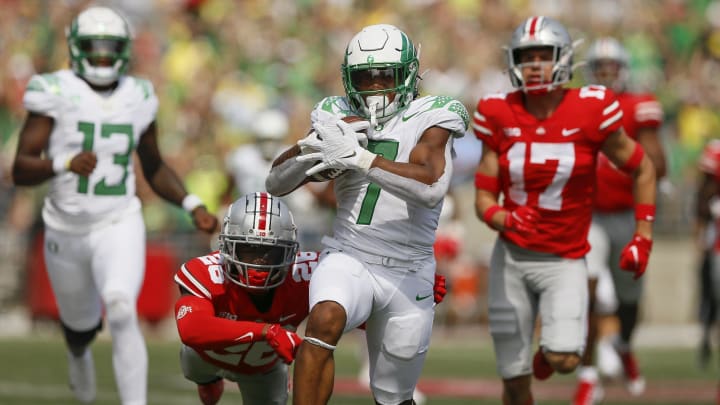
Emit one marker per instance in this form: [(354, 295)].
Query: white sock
[(587, 373), (130, 359)]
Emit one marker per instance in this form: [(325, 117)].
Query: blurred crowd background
[(217, 64)]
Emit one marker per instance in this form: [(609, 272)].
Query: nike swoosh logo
[(418, 297), (635, 254), (285, 318), (407, 117), (568, 132)]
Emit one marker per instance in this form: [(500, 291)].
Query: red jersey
[(710, 160), (709, 164), (550, 164), (204, 278), (614, 190)]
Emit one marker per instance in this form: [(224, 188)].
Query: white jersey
[(85, 120), (374, 220)]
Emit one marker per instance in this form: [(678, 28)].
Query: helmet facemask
[(257, 265), (380, 54), (258, 242), (561, 69), (99, 44)]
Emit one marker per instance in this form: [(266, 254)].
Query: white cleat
[(635, 387), (419, 397), (82, 376)]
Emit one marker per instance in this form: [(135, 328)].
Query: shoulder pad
[(305, 263), (202, 276), (42, 94), (335, 105), (145, 87)]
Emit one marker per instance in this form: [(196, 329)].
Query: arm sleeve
[(429, 195), (199, 328), (286, 176)]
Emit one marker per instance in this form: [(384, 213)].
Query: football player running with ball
[(82, 128), (540, 147), (240, 306), (378, 266)]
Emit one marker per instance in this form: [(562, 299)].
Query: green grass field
[(458, 371)]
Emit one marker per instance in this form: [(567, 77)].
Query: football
[(329, 174)]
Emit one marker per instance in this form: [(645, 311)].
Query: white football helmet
[(605, 50), (537, 32), (270, 128), (99, 41), (380, 50), (258, 242)]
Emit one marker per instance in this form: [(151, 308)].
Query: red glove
[(522, 220), (635, 255), (439, 288), (284, 342)]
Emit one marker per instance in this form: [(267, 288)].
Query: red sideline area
[(684, 392), (156, 299)]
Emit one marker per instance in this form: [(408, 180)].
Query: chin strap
[(373, 102)]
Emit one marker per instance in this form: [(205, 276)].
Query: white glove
[(309, 144), (312, 142), (339, 147)]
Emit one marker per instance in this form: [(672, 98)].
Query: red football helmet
[(258, 241)]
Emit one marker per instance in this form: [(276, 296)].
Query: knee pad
[(503, 320), (77, 341), (120, 310), (406, 336)]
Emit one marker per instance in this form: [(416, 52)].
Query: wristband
[(645, 212), (365, 159), (488, 183), (61, 164), (488, 214), (634, 161), (190, 202)]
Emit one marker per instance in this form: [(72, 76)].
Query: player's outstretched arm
[(287, 173), (166, 183), (199, 328)]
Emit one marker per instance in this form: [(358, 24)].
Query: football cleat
[(419, 397), (588, 393), (542, 370), (81, 371), (210, 393), (634, 381)]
